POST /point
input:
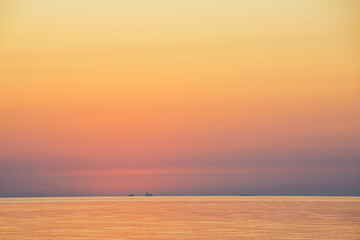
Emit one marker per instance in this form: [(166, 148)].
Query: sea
[(178, 217)]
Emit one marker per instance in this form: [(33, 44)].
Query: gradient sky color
[(178, 97)]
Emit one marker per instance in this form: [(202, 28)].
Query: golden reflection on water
[(180, 218)]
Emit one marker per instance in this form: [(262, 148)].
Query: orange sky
[(179, 97)]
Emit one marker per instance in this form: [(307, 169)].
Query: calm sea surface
[(180, 218)]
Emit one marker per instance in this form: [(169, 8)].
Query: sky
[(183, 97)]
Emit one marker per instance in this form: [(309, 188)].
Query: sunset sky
[(181, 97)]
